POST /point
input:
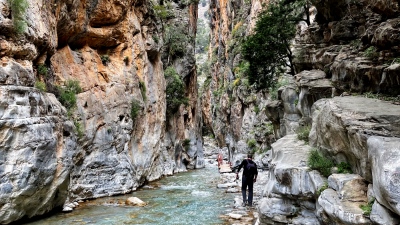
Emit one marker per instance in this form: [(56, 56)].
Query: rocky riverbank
[(236, 214)]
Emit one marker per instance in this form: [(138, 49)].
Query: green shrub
[(41, 86), (163, 11), (256, 109), (156, 39), (18, 11), (251, 143), (186, 144), (317, 161), (68, 93), (42, 69), (175, 91), (322, 188), (367, 208), (79, 129), (135, 109), (274, 87), (143, 90), (371, 53), (344, 167), (176, 41), (105, 59), (303, 133)]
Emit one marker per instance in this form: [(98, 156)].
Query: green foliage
[(18, 11), (163, 11), (176, 41), (175, 91), (68, 93), (268, 49), (273, 89), (322, 188), (42, 69), (202, 36), (156, 39), (371, 53), (356, 44), (256, 109), (303, 133), (317, 161), (367, 208), (382, 97), (41, 86), (143, 90), (186, 144), (135, 109), (79, 129), (344, 167), (251, 143), (105, 59)]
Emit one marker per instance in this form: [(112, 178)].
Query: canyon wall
[(350, 48), (118, 134)]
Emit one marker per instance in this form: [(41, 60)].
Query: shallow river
[(185, 198)]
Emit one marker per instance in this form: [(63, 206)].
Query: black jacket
[(247, 173)]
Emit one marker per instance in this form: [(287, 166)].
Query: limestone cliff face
[(351, 47), (230, 107), (114, 49)]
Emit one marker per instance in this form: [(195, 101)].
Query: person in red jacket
[(249, 177)]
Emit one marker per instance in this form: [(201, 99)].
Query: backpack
[(251, 166)]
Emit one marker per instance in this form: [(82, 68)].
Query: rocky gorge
[(119, 134), (342, 94), (139, 112)]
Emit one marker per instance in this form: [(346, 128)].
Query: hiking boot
[(244, 204)]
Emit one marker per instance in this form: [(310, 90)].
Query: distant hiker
[(249, 176), (220, 160)]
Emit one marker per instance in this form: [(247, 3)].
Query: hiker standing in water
[(249, 177)]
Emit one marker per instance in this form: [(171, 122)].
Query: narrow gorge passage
[(185, 198)]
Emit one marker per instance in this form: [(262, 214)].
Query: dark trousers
[(247, 182)]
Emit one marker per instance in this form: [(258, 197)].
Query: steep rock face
[(355, 47), (117, 137), (353, 130), (231, 108), (37, 145)]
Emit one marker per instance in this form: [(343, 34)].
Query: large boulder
[(384, 156), (342, 125), (38, 146), (291, 187)]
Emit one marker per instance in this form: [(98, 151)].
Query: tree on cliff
[(268, 49)]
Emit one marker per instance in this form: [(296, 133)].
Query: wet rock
[(67, 209), (134, 201)]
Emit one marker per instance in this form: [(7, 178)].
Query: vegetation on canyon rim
[(268, 49), (18, 11)]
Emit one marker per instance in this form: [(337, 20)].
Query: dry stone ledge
[(384, 156), (342, 125)]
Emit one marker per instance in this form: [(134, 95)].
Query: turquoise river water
[(185, 198)]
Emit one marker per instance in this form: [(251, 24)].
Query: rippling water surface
[(185, 198)]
